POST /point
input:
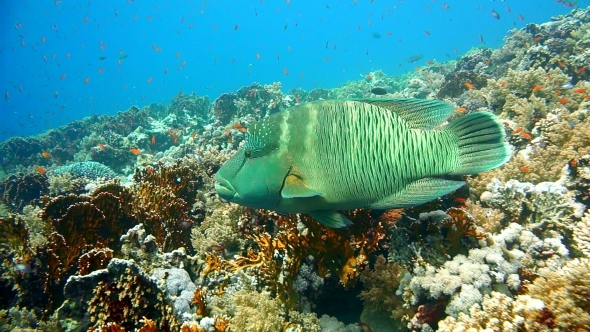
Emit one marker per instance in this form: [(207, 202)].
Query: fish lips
[(225, 190)]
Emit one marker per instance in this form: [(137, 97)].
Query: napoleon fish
[(324, 156)]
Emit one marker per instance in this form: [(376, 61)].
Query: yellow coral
[(256, 312), (582, 235)]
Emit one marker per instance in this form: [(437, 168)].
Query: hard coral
[(278, 256), (224, 107), (121, 294), (20, 190), (163, 201), (88, 169), (566, 296), (257, 312), (379, 294)]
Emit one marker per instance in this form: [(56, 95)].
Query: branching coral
[(379, 294), (257, 312), (434, 236), (582, 235), (566, 295), (557, 301), (548, 209), (163, 201)]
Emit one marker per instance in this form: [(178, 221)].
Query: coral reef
[(112, 223)]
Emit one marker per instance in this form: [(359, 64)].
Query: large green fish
[(325, 156)]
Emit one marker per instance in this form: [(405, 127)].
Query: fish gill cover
[(118, 116)]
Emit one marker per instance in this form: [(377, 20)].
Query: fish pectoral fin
[(331, 218), (417, 193), (295, 187)]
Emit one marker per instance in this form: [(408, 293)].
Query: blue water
[(319, 43)]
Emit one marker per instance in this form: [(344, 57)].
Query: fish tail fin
[(482, 144)]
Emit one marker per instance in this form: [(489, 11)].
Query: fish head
[(254, 176)]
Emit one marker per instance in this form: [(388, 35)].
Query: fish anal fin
[(418, 192), (295, 187), (331, 218)]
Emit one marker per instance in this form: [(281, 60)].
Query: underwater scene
[(298, 166)]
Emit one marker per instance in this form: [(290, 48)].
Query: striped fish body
[(325, 156), (357, 154)]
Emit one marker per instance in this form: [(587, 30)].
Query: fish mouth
[(225, 190)]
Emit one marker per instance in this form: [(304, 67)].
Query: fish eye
[(248, 153)]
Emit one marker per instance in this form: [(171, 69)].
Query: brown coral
[(163, 201), (20, 190)]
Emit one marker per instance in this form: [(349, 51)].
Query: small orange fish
[(193, 135), (239, 127), (45, 154), (537, 39), (580, 90), (86, 80), (461, 109), (227, 133), (537, 88), (581, 70), (503, 84), (297, 99), (175, 140), (41, 170), (469, 85), (587, 97), (153, 140), (517, 130), (135, 151), (102, 147), (558, 92), (563, 100), (524, 169), (561, 63), (526, 136)]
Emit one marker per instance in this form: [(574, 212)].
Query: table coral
[(88, 169)]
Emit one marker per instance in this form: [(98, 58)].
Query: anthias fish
[(324, 156)]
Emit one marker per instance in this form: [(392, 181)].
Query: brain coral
[(88, 169)]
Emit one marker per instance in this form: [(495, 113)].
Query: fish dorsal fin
[(419, 113), (295, 187)]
